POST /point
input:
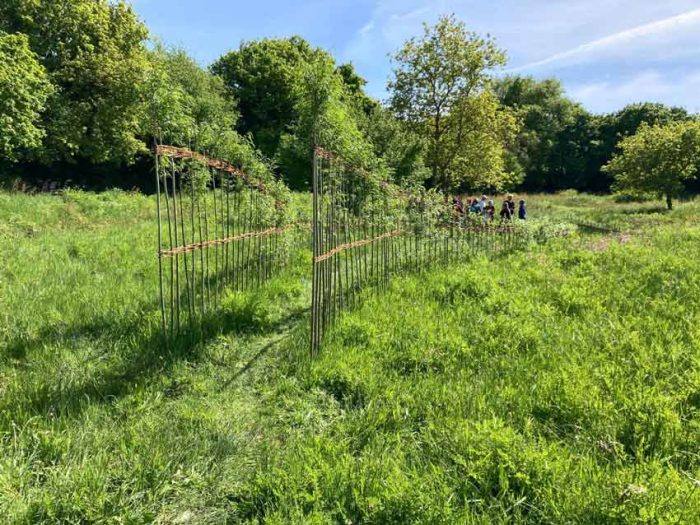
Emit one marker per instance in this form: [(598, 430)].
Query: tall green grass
[(557, 385)]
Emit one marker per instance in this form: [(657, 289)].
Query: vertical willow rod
[(217, 275), (194, 252), (222, 277), (225, 185), (205, 292), (177, 245), (172, 262), (160, 248), (315, 254), (185, 255), (236, 256), (206, 234)]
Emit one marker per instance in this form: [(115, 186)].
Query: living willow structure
[(220, 229), (366, 230)]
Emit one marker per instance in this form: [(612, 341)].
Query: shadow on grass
[(589, 228), (146, 354), (645, 211)]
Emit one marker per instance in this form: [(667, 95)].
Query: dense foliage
[(560, 144), (546, 116), (24, 89), (95, 56), (441, 89), (187, 105), (657, 160), (89, 95), (292, 96), (262, 76)]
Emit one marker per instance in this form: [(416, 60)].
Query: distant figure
[(505, 211), (457, 204), (474, 206), (522, 211), (489, 211), (482, 204), (511, 206)]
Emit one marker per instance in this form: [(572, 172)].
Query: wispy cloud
[(646, 86), (667, 26), (389, 24)]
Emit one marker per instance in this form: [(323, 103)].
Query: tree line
[(85, 92)]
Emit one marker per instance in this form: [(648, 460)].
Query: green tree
[(189, 105), (549, 121), (355, 88), (614, 127), (324, 118), (262, 76), (441, 86), (185, 103), (573, 158), (94, 52), (399, 147), (24, 89), (657, 160)]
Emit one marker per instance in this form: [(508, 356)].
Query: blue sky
[(608, 53)]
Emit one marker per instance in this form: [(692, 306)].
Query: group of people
[(486, 209)]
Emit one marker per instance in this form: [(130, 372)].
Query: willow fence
[(366, 230), (218, 229)]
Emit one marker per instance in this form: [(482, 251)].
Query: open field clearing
[(349, 263), (554, 385)]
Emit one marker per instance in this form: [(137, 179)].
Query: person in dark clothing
[(511, 206), (474, 206), (522, 211), (458, 205), (505, 211), (489, 211)]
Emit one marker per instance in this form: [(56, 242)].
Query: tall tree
[(189, 105), (184, 101), (441, 86), (546, 115), (94, 52), (355, 89), (324, 118), (617, 126), (262, 76), (24, 89), (400, 148), (657, 160), (573, 158)]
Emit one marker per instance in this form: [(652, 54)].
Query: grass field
[(556, 385)]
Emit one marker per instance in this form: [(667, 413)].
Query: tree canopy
[(546, 115), (262, 76), (657, 160), (188, 105), (83, 88), (24, 89), (95, 56), (441, 87)]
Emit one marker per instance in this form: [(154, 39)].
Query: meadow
[(559, 384)]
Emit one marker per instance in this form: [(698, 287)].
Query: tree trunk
[(669, 203)]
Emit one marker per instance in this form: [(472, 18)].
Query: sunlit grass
[(557, 385)]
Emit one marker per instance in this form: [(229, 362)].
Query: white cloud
[(647, 86), (668, 31), (621, 39), (389, 25)]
